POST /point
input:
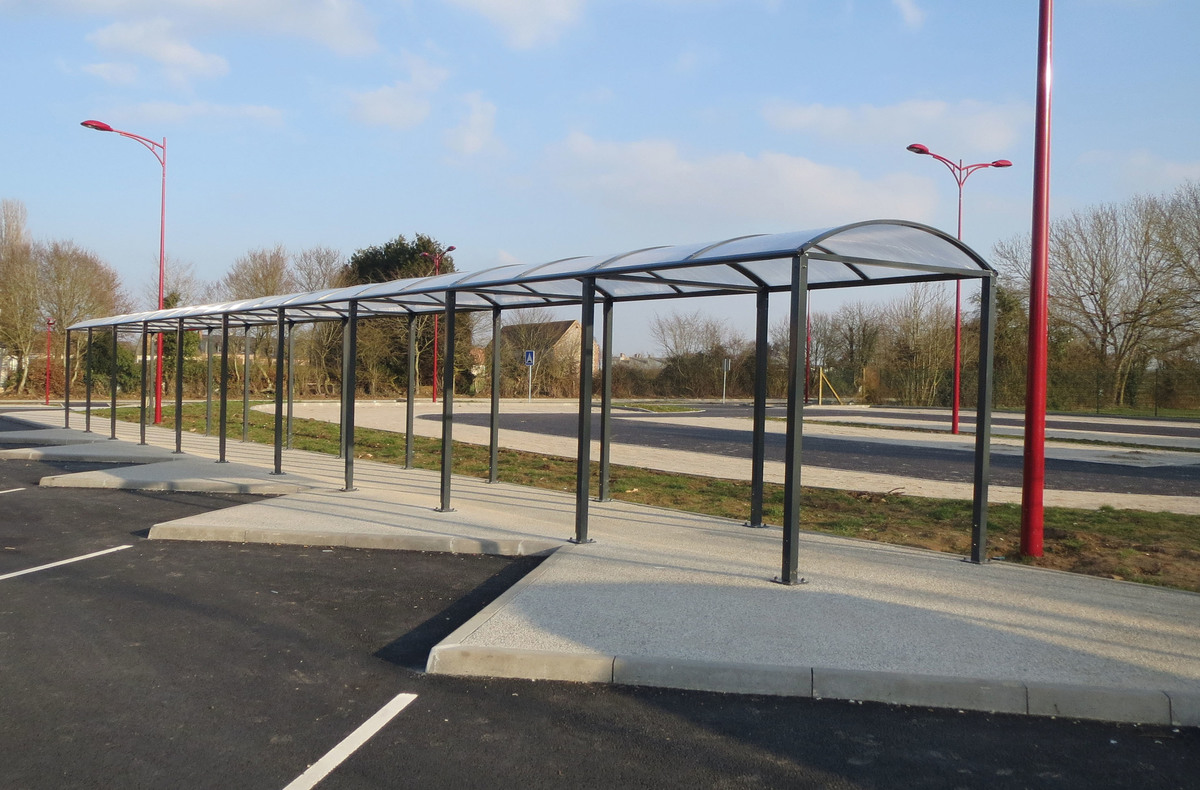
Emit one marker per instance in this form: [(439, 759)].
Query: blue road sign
[(529, 358)]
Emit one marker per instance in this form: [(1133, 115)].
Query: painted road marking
[(63, 562), (323, 767), (12, 491)]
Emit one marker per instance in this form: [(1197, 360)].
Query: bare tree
[(918, 344), (1119, 284), (20, 294), (77, 285)]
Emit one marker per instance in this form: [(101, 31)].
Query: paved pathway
[(674, 599)]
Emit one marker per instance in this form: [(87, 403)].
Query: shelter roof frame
[(864, 253)]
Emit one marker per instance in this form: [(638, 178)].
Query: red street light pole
[(49, 329), (961, 173), (437, 269), (160, 153), (1033, 471)]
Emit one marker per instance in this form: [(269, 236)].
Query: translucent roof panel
[(845, 256)]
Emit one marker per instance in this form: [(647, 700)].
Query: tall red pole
[(437, 269), (160, 153), (162, 277), (1034, 470), (961, 173), (49, 329)]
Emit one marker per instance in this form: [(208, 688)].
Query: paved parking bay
[(197, 665)]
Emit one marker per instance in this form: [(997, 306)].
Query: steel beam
[(448, 404), (604, 494), (798, 304), (758, 443), (583, 469), (983, 419), (179, 387), (279, 352), (144, 380), (224, 410), (87, 389), (494, 424), (349, 385), (112, 386)]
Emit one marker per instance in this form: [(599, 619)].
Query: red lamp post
[(961, 173), (160, 153), (1033, 471), (437, 269), (49, 329)]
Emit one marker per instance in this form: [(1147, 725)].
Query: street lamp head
[(1002, 163), (917, 148), (99, 126), (451, 248)]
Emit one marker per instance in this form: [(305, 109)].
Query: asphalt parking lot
[(193, 665)]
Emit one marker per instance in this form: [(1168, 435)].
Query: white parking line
[(64, 562), (12, 491), (323, 767)]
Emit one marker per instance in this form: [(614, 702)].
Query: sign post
[(724, 377), (529, 367)]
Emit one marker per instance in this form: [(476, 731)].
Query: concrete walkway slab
[(675, 599), (48, 437), (106, 452), (183, 474)]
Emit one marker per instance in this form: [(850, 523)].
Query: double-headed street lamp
[(961, 173), (49, 329), (160, 153), (437, 269)]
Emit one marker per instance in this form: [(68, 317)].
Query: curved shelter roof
[(875, 252)]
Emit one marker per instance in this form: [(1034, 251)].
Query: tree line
[(1124, 322)]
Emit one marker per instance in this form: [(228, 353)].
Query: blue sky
[(529, 130)]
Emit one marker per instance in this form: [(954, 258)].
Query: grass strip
[(1151, 548)]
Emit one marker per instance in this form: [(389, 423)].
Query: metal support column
[(448, 404), (349, 385), (179, 387), (87, 389), (279, 352), (208, 384), (494, 424), (795, 421), (410, 394), (223, 414), (758, 452), (291, 381), (246, 385), (67, 381), (606, 401), (145, 380), (583, 469), (983, 418), (112, 386)]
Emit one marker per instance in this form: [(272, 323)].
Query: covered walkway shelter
[(867, 253)]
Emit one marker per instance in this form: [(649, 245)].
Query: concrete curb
[(1132, 706), (454, 656), (352, 540)]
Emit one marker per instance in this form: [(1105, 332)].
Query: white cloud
[(1141, 170), (913, 15), (157, 41), (968, 126), (527, 23), (403, 104), (653, 180), (114, 73), (175, 113), (475, 133), (341, 25)]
